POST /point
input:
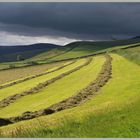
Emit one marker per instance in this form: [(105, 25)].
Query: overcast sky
[(61, 23)]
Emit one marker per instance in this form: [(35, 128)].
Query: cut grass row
[(70, 85), (113, 113), (17, 73), (27, 85), (73, 101), (5, 102), (34, 76), (36, 90)]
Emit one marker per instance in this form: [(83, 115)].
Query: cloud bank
[(61, 23)]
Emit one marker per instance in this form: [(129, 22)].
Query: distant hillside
[(10, 53), (48, 53), (85, 48), (99, 45)]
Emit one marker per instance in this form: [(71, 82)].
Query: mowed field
[(24, 86), (17, 73), (112, 110), (56, 92)]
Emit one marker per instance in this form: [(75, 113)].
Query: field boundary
[(11, 99), (82, 96)]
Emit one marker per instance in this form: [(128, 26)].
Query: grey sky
[(62, 23)]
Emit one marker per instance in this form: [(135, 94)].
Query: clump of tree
[(20, 58)]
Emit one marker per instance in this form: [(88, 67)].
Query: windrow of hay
[(33, 76), (7, 101), (80, 97)]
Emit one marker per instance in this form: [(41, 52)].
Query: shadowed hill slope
[(10, 53)]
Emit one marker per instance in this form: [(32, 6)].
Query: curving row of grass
[(56, 92), (20, 80), (24, 86), (17, 73), (41, 86), (113, 113)]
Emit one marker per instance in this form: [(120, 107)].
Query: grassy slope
[(25, 54), (21, 87), (9, 53), (42, 57), (132, 54), (90, 48), (19, 76), (6, 65), (76, 52), (80, 49), (54, 94), (113, 113), (14, 74), (50, 54)]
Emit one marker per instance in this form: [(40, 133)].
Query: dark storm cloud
[(73, 20)]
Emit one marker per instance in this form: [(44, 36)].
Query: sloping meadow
[(56, 92), (114, 112)]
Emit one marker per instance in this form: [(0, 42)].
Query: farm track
[(11, 99), (34, 76), (80, 97)]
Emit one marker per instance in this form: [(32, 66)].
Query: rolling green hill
[(72, 50), (95, 96), (10, 53)]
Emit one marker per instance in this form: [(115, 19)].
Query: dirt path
[(80, 97)]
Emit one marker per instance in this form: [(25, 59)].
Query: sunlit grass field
[(114, 112), (85, 50), (56, 92), (21, 87), (132, 54), (17, 73), (51, 53), (72, 50)]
